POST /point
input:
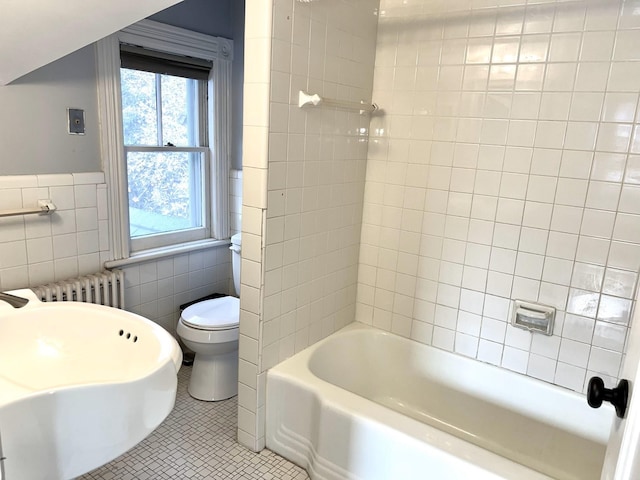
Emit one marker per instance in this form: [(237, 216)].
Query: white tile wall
[(505, 166), (257, 74), (74, 240), (235, 201), (157, 288), (316, 173), (37, 249), (303, 183)]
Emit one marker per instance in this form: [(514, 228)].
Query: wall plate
[(76, 121)]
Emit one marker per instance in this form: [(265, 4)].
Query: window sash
[(197, 103), (140, 244), (200, 196), (138, 58), (161, 148), (161, 37), (199, 193)]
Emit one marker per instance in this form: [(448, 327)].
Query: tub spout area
[(13, 300)]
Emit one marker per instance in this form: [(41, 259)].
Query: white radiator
[(104, 288)]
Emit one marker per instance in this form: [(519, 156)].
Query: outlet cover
[(76, 121)]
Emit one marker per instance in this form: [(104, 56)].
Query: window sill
[(164, 252)]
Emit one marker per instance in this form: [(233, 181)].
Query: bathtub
[(366, 404)]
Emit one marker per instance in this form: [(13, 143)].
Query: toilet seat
[(212, 315)]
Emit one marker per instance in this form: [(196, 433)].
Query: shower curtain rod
[(315, 100)]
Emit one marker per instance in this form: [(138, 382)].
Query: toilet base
[(214, 377)]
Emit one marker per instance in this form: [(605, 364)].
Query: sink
[(80, 384)]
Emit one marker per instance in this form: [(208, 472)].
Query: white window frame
[(166, 38)]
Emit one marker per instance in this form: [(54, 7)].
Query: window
[(165, 115), (165, 143)]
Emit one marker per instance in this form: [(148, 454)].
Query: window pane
[(165, 191), (139, 112), (179, 117)]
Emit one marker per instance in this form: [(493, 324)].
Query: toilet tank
[(236, 249)]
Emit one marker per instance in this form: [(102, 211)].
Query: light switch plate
[(76, 121)]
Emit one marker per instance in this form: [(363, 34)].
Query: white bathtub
[(366, 404)]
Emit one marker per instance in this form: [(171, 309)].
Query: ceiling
[(34, 33)]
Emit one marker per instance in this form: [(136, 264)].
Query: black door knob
[(596, 394)]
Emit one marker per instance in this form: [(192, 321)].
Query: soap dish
[(533, 317)]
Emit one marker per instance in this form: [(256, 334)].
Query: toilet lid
[(218, 314)]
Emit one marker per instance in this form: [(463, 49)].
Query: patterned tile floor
[(196, 441)]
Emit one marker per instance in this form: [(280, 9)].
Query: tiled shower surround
[(506, 167), (304, 174), (502, 166)]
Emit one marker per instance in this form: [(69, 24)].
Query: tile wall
[(74, 240), (257, 77), (156, 289), (506, 167), (235, 201), (304, 174), (37, 249)]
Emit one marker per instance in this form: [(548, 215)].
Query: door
[(622, 460)]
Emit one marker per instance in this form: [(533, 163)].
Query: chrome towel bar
[(45, 207)]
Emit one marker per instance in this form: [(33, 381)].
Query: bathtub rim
[(597, 430), (296, 370)]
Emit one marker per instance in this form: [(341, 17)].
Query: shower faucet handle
[(597, 393)]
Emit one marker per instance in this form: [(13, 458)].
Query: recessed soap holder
[(533, 317)]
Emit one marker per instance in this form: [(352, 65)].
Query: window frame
[(158, 240), (177, 41), (201, 196)]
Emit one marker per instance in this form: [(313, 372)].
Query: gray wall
[(219, 18), (238, 82), (33, 118), (211, 17)]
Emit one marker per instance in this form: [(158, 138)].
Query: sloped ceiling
[(34, 33)]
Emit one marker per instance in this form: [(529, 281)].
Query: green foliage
[(160, 182), (139, 107)]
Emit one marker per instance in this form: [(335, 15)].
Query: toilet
[(211, 329)]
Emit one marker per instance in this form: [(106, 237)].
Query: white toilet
[(211, 329)]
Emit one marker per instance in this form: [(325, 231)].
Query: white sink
[(80, 384)]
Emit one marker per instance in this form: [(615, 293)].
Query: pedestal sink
[(80, 384)]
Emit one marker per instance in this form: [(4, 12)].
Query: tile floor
[(196, 441)]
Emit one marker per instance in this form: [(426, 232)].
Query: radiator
[(104, 288)]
